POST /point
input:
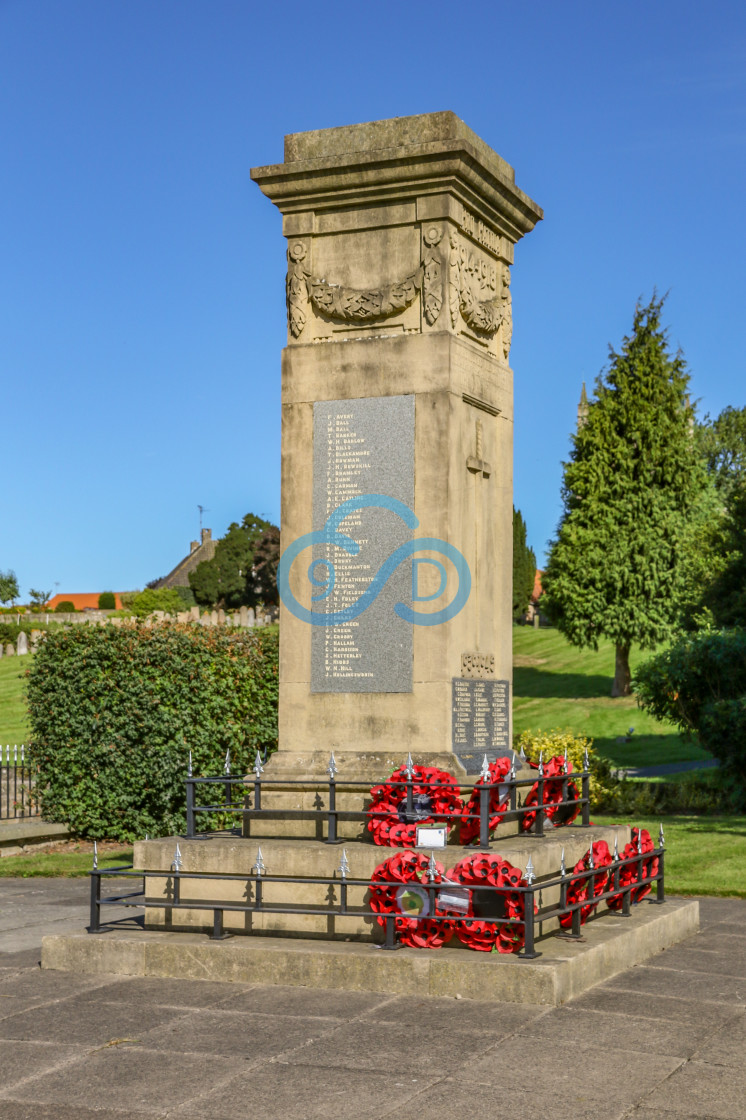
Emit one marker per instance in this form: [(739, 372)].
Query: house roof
[(81, 600)]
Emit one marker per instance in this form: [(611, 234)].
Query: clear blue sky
[(141, 272)]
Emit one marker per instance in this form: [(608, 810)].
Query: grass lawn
[(67, 861), (704, 855), (14, 726), (556, 685)]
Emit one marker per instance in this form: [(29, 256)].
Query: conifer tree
[(616, 568), (524, 566)]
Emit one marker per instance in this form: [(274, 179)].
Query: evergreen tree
[(524, 567), (227, 580), (616, 568)]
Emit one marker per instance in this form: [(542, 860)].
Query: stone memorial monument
[(395, 581), (397, 399)]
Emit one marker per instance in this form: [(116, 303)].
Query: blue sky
[(141, 272)]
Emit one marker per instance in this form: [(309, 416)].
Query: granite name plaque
[(480, 721), (362, 447)]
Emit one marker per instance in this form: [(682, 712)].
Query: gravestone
[(10, 649), (397, 398), (22, 644)]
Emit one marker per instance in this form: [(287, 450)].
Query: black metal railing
[(617, 886), (251, 788), (17, 776)]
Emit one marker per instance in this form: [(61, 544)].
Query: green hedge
[(114, 711)]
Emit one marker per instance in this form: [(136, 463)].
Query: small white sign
[(429, 837)]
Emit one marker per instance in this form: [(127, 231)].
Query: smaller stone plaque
[(480, 721)]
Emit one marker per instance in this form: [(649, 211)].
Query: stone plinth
[(396, 383), (308, 859), (564, 970)]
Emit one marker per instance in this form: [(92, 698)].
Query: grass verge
[(71, 861), (557, 686), (704, 855), (14, 725)]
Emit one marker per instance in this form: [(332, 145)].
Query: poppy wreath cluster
[(436, 799), (408, 870), (586, 889), (554, 780), (487, 869), (499, 802), (628, 873)]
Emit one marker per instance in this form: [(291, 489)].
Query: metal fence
[(244, 796), (580, 892), (17, 779)]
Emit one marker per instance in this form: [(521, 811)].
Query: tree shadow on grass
[(560, 686)]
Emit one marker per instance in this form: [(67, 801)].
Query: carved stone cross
[(475, 463)]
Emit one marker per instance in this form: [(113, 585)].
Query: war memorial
[(394, 842)]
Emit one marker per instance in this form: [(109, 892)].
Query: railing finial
[(260, 866), (410, 766), (95, 856), (332, 767), (227, 766), (485, 771), (258, 768), (661, 837), (178, 862), (530, 873), (189, 764), (344, 865)]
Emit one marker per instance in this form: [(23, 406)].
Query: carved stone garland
[(473, 290), (363, 305)]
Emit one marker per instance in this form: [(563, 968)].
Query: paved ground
[(663, 1041), (666, 768)]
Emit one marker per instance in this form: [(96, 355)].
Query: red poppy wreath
[(554, 812), (499, 802), (399, 887), (487, 869), (580, 890), (435, 799), (628, 872)]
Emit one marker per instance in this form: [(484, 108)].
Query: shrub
[(602, 783), (187, 597), (699, 683), (114, 711), (65, 607), (156, 599), (107, 601)]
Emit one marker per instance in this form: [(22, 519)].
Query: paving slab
[(84, 1022), (132, 1078), (240, 1035), (714, 1092), (571, 1025), (706, 987), (313, 1094)]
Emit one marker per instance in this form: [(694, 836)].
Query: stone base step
[(565, 969), (306, 859)]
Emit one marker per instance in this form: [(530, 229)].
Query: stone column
[(396, 382)]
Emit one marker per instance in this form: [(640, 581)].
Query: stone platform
[(309, 859), (564, 970)]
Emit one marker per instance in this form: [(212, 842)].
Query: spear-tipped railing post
[(660, 894), (331, 815), (228, 785), (539, 822), (95, 916), (484, 816), (344, 871), (563, 882), (585, 783), (528, 952), (176, 867), (190, 821), (258, 771), (409, 770), (259, 869)]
